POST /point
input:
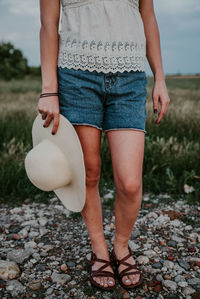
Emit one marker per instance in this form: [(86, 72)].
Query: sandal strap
[(102, 273), (99, 271), (122, 261), (124, 272)]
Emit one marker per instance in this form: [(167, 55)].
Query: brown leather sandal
[(99, 272), (123, 273)]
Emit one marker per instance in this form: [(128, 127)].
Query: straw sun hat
[(56, 163)]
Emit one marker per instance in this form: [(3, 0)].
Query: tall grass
[(172, 148)]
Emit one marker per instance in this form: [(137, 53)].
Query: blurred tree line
[(13, 65)]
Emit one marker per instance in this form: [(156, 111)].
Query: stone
[(135, 234), (172, 285), (60, 278), (168, 264), (18, 255), (142, 260), (35, 285), (172, 243), (8, 270), (194, 281), (184, 264), (63, 267), (158, 288), (150, 253), (30, 244), (188, 290), (182, 284), (157, 265), (15, 287), (175, 223), (159, 277)]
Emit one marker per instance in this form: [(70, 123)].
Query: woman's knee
[(93, 172), (128, 187)]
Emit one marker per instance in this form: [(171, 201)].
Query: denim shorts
[(107, 101)]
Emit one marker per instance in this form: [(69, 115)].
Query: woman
[(93, 73)]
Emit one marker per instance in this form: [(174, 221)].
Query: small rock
[(158, 288), (150, 253), (60, 278), (35, 285), (71, 264), (182, 284), (172, 243), (170, 284), (168, 264), (8, 270), (188, 290), (159, 277), (175, 223), (142, 260), (157, 265), (15, 287), (194, 281), (63, 267), (184, 264), (18, 255)]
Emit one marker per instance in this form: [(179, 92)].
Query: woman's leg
[(90, 139), (127, 150)]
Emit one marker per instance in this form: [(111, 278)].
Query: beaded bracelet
[(47, 94)]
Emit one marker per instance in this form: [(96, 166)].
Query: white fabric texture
[(102, 35)]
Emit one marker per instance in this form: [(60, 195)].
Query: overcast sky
[(178, 21)]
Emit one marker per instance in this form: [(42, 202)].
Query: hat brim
[(73, 196)]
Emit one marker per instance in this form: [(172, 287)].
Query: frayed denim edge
[(87, 125), (108, 129), (127, 129)]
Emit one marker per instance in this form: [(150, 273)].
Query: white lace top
[(102, 35)]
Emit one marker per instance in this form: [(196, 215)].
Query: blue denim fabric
[(106, 101)]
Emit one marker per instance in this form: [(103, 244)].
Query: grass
[(172, 148)]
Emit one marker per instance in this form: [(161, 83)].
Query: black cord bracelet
[(47, 94)]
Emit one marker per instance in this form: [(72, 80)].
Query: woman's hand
[(160, 93), (49, 109)]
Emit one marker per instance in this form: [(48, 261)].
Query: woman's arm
[(153, 53), (49, 17)]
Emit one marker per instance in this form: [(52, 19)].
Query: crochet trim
[(99, 56)]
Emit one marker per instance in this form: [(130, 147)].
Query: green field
[(172, 148)]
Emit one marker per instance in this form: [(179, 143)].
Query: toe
[(98, 280), (126, 280), (135, 278), (111, 281), (105, 282)]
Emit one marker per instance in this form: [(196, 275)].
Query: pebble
[(60, 278), (18, 255), (142, 260), (184, 264), (194, 281), (188, 290), (50, 251), (8, 270), (172, 285)]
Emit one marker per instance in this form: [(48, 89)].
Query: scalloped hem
[(101, 69)]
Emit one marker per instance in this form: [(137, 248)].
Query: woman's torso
[(102, 35)]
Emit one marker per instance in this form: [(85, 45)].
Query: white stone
[(170, 284), (8, 270), (142, 260)]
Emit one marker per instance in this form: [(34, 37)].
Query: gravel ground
[(45, 251)]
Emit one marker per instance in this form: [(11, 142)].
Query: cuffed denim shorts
[(107, 101)]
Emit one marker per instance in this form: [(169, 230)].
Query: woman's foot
[(102, 253), (120, 252)]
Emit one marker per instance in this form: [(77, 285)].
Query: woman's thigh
[(127, 152), (90, 139)]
